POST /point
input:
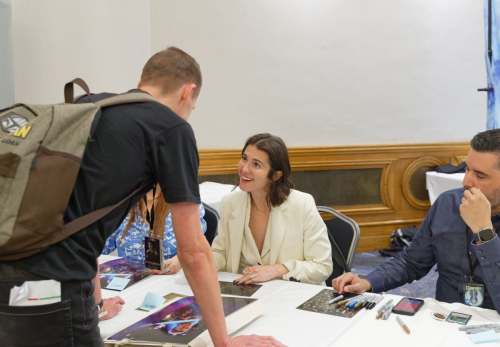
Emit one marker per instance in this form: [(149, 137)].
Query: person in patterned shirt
[(128, 239)]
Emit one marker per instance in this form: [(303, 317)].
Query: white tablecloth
[(211, 193), (438, 183), (302, 328)]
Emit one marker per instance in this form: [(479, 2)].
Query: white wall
[(338, 72), (315, 72), (6, 61), (104, 42)]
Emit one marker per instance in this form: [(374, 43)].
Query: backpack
[(41, 149), (400, 239)]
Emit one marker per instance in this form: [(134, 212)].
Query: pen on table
[(338, 298), (361, 302), (387, 312), (352, 304), (371, 300), (403, 325), (472, 327), (343, 302), (356, 298), (381, 311), (377, 300), (348, 301)]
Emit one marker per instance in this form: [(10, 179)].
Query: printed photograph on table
[(177, 323), (229, 288), (457, 317), (122, 268), (320, 304)]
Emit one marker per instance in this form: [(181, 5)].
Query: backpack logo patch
[(22, 132), (12, 122)]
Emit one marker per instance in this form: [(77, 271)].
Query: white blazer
[(299, 238)]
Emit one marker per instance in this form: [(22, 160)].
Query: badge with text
[(153, 253), (473, 294)]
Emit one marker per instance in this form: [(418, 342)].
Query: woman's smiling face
[(253, 169)]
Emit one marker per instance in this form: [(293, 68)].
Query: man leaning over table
[(458, 234), (133, 144)]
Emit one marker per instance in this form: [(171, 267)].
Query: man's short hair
[(171, 68), (487, 142)]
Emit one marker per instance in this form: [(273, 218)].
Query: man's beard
[(494, 199)]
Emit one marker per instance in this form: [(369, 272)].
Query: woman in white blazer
[(269, 230)]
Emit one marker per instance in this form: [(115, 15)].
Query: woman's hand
[(172, 266), (261, 273)]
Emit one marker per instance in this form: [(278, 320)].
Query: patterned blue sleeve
[(202, 220), (169, 241), (110, 245)]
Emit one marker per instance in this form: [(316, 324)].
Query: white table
[(438, 183), (302, 328)]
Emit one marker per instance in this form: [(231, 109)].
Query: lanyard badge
[(153, 253), (473, 294), (153, 247)]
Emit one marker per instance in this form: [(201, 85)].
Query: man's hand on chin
[(476, 210)]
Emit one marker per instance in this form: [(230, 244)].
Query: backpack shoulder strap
[(125, 98), (84, 221)]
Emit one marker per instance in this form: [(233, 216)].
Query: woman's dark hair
[(279, 161)]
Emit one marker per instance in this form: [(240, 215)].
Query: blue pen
[(352, 304)]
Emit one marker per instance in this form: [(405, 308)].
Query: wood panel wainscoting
[(381, 187)]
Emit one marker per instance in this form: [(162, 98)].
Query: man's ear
[(139, 85), (188, 91), (277, 175)]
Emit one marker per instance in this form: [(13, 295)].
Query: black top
[(132, 144)]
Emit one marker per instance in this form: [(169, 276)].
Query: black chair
[(344, 235), (212, 219)]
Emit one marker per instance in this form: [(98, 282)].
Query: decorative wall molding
[(401, 169), (408, 174)]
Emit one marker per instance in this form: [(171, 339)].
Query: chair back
[(212, 219), (344, 234)]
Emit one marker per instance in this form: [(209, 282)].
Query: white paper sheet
[(35, 293)]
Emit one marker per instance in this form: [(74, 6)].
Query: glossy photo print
[(320, 304), (122, 268), (229, 288), (177, 323)]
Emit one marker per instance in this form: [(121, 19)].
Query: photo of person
[(179, 322), (153, 254)]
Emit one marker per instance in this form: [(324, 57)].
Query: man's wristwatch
[(484, 235), (101, 309)]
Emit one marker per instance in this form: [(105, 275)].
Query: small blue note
[(152, 301), (486, 336), (118, 283)]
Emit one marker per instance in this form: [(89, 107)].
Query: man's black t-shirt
[(133, 144)]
